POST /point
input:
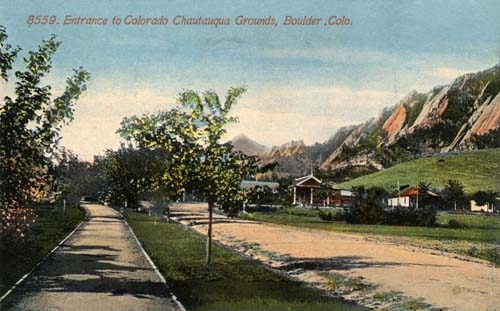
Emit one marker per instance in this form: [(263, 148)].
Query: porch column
[(328, 199), (311, 196), (294, 196)]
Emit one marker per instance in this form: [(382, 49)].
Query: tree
[(29, 129), (128, 174), (7, 54), (196, 160), (485, 197), (368, 205), (72, 178), (261, 195), (453, 194), (423, 193)]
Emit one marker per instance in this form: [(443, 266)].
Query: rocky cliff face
[(447, 118)]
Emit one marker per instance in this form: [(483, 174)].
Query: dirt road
[(100, 267), (442, 281)]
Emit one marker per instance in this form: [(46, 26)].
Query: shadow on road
[(342, 263), (93, 269)]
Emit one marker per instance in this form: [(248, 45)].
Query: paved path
[(100, 267)]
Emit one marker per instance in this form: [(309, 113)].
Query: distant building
[(311, 191), (486, 208), (251, 184), (408, 198)]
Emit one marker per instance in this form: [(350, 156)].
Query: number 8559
[(42, 20)]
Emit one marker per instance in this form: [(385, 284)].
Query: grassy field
[(50, 228), (233, 283), (479, 228), (477, 170), (480, 233)]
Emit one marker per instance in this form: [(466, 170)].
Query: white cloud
[(277, 115), (270, 116), (98, 116)]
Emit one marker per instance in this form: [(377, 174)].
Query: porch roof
[(302, 181)]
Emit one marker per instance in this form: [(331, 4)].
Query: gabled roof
[(412, 191), (299, 181)]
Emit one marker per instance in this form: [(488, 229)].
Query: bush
[(452, 223), (368, 206), (329, 216), (339, 216), (261, 208), (407, 216)]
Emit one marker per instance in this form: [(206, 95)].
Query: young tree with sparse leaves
[(30, 124), (197, 160)]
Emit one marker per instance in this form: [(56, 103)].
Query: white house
[(486, 208), (408, 198)]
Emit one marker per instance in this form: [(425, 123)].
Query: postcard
[(249, 155)]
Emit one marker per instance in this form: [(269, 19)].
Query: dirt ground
[(441, 280), (100, 267)]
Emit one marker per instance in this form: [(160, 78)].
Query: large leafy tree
[(30, 123), (128, 174), (368, 205), (197, 159), (71, 179)]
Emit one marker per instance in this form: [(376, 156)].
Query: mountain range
[(248, 146), (463, 115)]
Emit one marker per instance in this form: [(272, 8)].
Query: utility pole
[(418, 188), (399, 193)]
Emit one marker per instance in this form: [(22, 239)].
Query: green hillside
[(476, 170)]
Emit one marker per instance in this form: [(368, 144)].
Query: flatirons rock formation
[(445, 119)]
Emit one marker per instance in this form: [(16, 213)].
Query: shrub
[(408, 216), (452, 223), (473, 251), (368, 206), (331, 216), (327, 216), (339, 216)]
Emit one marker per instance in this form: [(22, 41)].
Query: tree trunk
[(209, 234), (168, 211)]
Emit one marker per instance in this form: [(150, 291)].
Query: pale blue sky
[(304, 82)]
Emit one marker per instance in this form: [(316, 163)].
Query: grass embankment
[(479, 237), (234, 283), (476, 170), (50, 227)]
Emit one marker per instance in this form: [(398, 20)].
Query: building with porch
[(311, 191), (303, 189)]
